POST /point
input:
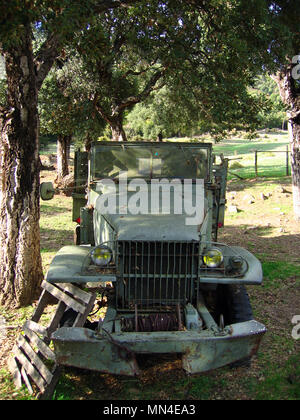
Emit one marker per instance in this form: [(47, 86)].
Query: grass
[(270, 162), (7, 388), (275, 273), (56, 227), (278, 383)]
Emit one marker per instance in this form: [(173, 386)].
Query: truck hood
[(163, 225)]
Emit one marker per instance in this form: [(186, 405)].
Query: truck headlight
[(213, 258), (101, 255)]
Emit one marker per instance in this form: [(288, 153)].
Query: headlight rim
[(216, 265), (104, 247)]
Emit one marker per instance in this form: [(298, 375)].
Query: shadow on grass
[(239, 185), (48, 209), (265, 171), (284, 248), (54, 239)]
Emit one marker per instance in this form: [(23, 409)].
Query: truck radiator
[(156, 275)]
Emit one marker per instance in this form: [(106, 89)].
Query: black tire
[(234, 304), (77, 235), (68, 318)]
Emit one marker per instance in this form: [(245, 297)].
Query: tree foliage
[(205, 51), (190, 47), (274, 114), (65, 109)]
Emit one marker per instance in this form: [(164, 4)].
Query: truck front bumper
[(115, 353)]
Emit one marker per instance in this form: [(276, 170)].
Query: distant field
[(242, 152), (270, 162), (239, 149)]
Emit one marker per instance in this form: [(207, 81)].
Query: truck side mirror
[(46, 191)]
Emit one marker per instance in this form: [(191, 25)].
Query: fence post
[(287, 161), (256, 161)]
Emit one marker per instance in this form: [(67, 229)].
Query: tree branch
[(150, 87), (100, 110), (45, 58), (287, 91), (104, 5), (51, 47), (138, 73)]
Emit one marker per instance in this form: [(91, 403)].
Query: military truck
[(146, 240)]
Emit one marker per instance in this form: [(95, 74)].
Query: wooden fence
[(255, 164), (287, 159)]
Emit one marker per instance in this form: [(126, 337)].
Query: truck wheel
[(236, 306), (77, 235), (68, 318)]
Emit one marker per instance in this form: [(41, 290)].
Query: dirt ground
[(264, 221), (260, 218)]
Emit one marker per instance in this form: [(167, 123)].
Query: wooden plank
[(75, 291), (37, 328), (81, 318), (69, 301), (15, 371), (47, 394), (26, 380), (30, 369), (42, 303), (56, 318), (43, 348), (31, 361), (35, 360)]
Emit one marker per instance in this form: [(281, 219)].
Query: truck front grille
[(155, 274)]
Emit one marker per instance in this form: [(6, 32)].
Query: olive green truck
[(146, 241)]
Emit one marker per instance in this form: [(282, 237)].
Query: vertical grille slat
[(154, 274)]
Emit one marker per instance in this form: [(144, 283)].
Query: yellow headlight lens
[(213, 258), (101, 255)]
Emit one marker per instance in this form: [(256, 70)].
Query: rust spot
[(255, 347)]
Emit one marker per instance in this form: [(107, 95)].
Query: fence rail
[(260, 163), (287, 159)]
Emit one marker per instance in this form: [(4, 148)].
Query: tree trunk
[(294, 130), (290, 96), (88, 143), (115, 122), (63, 152), (20, 260), (118, 133)]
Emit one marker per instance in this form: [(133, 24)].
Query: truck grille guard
[(158, 275)]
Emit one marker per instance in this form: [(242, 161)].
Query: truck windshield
[(165, 160)]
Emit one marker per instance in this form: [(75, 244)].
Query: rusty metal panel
[(115, 352)]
